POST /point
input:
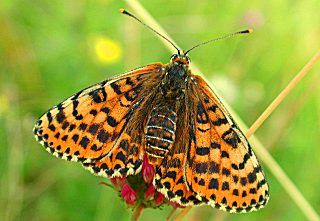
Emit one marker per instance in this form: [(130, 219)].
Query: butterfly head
[(176, 76), (181, 59)]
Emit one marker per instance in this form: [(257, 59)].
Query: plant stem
[(171, 214), (183, 213), (137, 213), (276, 102)]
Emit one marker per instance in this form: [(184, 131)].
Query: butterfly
[(173, 116)]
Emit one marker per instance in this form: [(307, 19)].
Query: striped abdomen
[(160, 133)]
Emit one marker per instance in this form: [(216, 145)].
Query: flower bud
[(128, 194), (148, 170), (118, 182), (159, 199), (149, 194)]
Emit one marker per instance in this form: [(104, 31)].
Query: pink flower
[(118, 182), (128, 194), (149, 194), (148, 170), (159, 199)]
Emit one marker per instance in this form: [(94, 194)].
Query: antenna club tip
[(122, 10), (250, 30)]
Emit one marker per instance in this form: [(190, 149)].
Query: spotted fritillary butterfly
[(171, 114)]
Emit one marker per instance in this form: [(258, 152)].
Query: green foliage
[(47, 54)]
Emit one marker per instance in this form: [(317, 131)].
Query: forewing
[(87, 127), (221, 166)]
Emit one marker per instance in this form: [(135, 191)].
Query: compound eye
[(173, 57), (188, 59)]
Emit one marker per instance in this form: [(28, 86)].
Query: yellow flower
[(106, 50)]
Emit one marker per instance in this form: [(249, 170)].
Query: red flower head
[(148, 170), (159, 199), (138, 191), (128, 194), (118, 182), (149, 194)]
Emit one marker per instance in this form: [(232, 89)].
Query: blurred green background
[(52, 49)]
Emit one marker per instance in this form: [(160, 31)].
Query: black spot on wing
[(202, 151), (214, 167), (235, 192), (226, 172), (214, 184), (111, 121), (72, 127), (115, 88), (64, 138), (52, 127), (60, 117), (84, 142), (225, 186), (219, 121), (83, 126), (171, 174), (93, 129), (121, 156), (93, 112), (243, 181), (215, 145), (252, 177), (98, 95), (49, 117), (105, 110), (202, 117), (102, 136), (231, 138), (75, 138), (224, 154), (201, 167), (65, 125)]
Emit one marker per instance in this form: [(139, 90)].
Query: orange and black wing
[(90, 126), (170, 180), (221, 168)]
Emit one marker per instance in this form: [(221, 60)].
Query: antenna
[(247, 31), (123, 11)]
